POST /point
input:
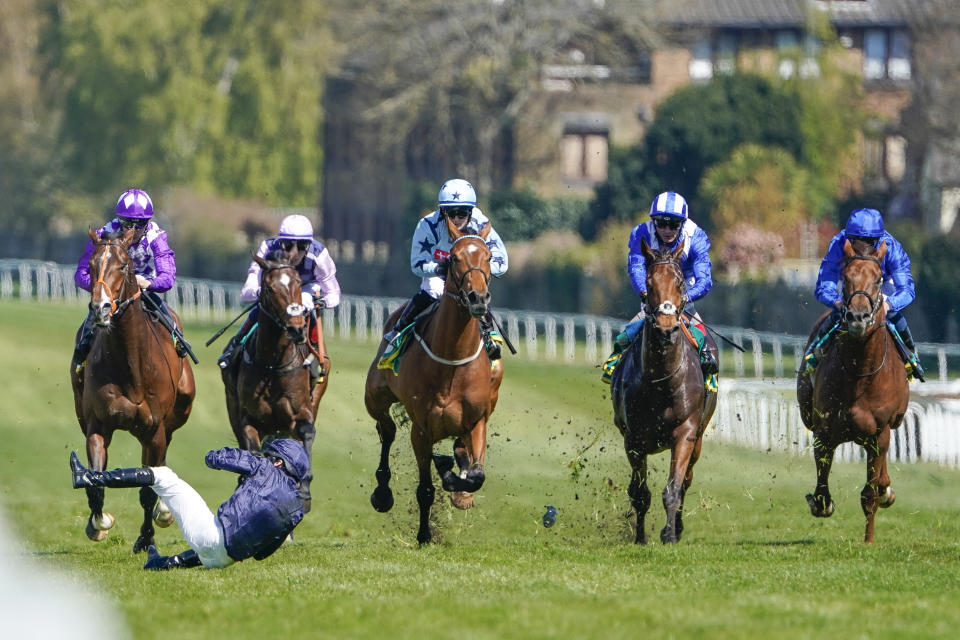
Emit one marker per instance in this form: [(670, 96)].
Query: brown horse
[(658, 393), (133, 380), (859, 391), (445, 383), (269, 392)]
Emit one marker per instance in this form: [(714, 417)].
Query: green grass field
[(752, 563)]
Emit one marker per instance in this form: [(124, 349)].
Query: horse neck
[(273, 340), (867, 354), (452, 333), (131, 338)]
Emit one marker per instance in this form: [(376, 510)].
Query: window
[(788, 44), (886, 54), (701, 62), (584, 148), (885, 158)]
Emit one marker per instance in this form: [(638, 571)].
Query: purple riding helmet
[(134, 203)]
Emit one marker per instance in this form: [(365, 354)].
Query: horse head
[(468, 277), (113, 282), (666, 291), (280, 296), (862, 283)]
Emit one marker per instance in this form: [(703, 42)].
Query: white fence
[(755, 414)]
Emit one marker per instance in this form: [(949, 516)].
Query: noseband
[(115, 308), (874, 304)]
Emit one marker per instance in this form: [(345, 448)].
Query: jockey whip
[(503, 333), (246, 310), (719, 335)]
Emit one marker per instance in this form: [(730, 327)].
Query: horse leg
[(153, 454), (425, 490), (878, 481), (639, 492), (684, 442), (687, 481), (306, 433), (99, 523), (471, 478), (821, 504), (382, 496)]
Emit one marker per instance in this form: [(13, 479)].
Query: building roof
[(771, 14)]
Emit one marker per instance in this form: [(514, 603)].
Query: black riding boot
[(914, 357), (708, 362), (84, 478), (420, 301), (183, 560), (488, 332), (82, 348)]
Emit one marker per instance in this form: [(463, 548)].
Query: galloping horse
[(133, 380), (270, 393), (659, 398), (445, 383), (859, 391)]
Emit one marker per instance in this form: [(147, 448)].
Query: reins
[(115, 308)]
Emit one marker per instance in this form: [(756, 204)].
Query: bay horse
[(269, 392), (133, 380), (659, 398), (859, 391), (446, 384)]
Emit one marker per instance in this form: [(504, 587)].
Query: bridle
[(461, 295), (667, 307), (294, 309), (874, 303), (116, 308)]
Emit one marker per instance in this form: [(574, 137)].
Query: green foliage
[(937, 270), (522, 214), (627, 193), (751, 554), (219, 97)]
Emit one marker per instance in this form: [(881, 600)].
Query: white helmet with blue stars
[(457, 193)]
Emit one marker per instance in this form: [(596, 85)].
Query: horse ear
[(260, 261), (677, 253), (485, 232), (848, 248), (882, 251), (646, 250), (452, 228), (93, 235), (127, 239)]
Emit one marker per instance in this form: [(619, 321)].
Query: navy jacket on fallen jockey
[(695, 262), (265, 508)]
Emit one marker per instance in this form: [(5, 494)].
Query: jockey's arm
[(423, 264), (826, 290), (325, 275), (636, 266), (165, 263), (498, 254), (81, 276), (898, 265), (251, 286), (231, 459), (702, 267)]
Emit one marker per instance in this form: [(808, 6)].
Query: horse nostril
[(486, 297), (473, 298)]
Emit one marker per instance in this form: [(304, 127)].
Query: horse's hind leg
[(422, 450), (639, 492), (876, 492), (306, 433), (99, 523), (821, 504), (382, 496)]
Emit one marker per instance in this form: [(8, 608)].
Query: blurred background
[(774, 119)]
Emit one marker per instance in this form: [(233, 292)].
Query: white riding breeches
[(200, 526)]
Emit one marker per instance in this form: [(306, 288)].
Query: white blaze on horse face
[(667, 308), (285, 279)]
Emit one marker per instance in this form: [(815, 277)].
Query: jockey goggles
[(289, 244), (667, 222), (133, 223), (457, 212)]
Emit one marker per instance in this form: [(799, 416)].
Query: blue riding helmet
[(669, 204), (293, 454), (867, 223)]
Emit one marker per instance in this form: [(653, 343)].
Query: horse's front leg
[(469, 458), (99, 523), (639, 492), (305, 433), (876, 492), (153, 454), (382, 496), (684, 444), (422, 450), (821, 504), (687, 481)]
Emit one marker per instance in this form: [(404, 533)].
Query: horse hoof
[(668, 536), (887, 498), (443, 464), (461, 499), (382, 499), (162, 516), (97, 535), (141, 544), (817, 509)]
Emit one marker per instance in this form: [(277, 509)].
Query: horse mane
[(862, 248), (278, 258)]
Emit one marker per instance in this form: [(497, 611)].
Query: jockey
[(430, 251), (669, 226), (865, 226), (153, 264), (318, 275), (253, 522)]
